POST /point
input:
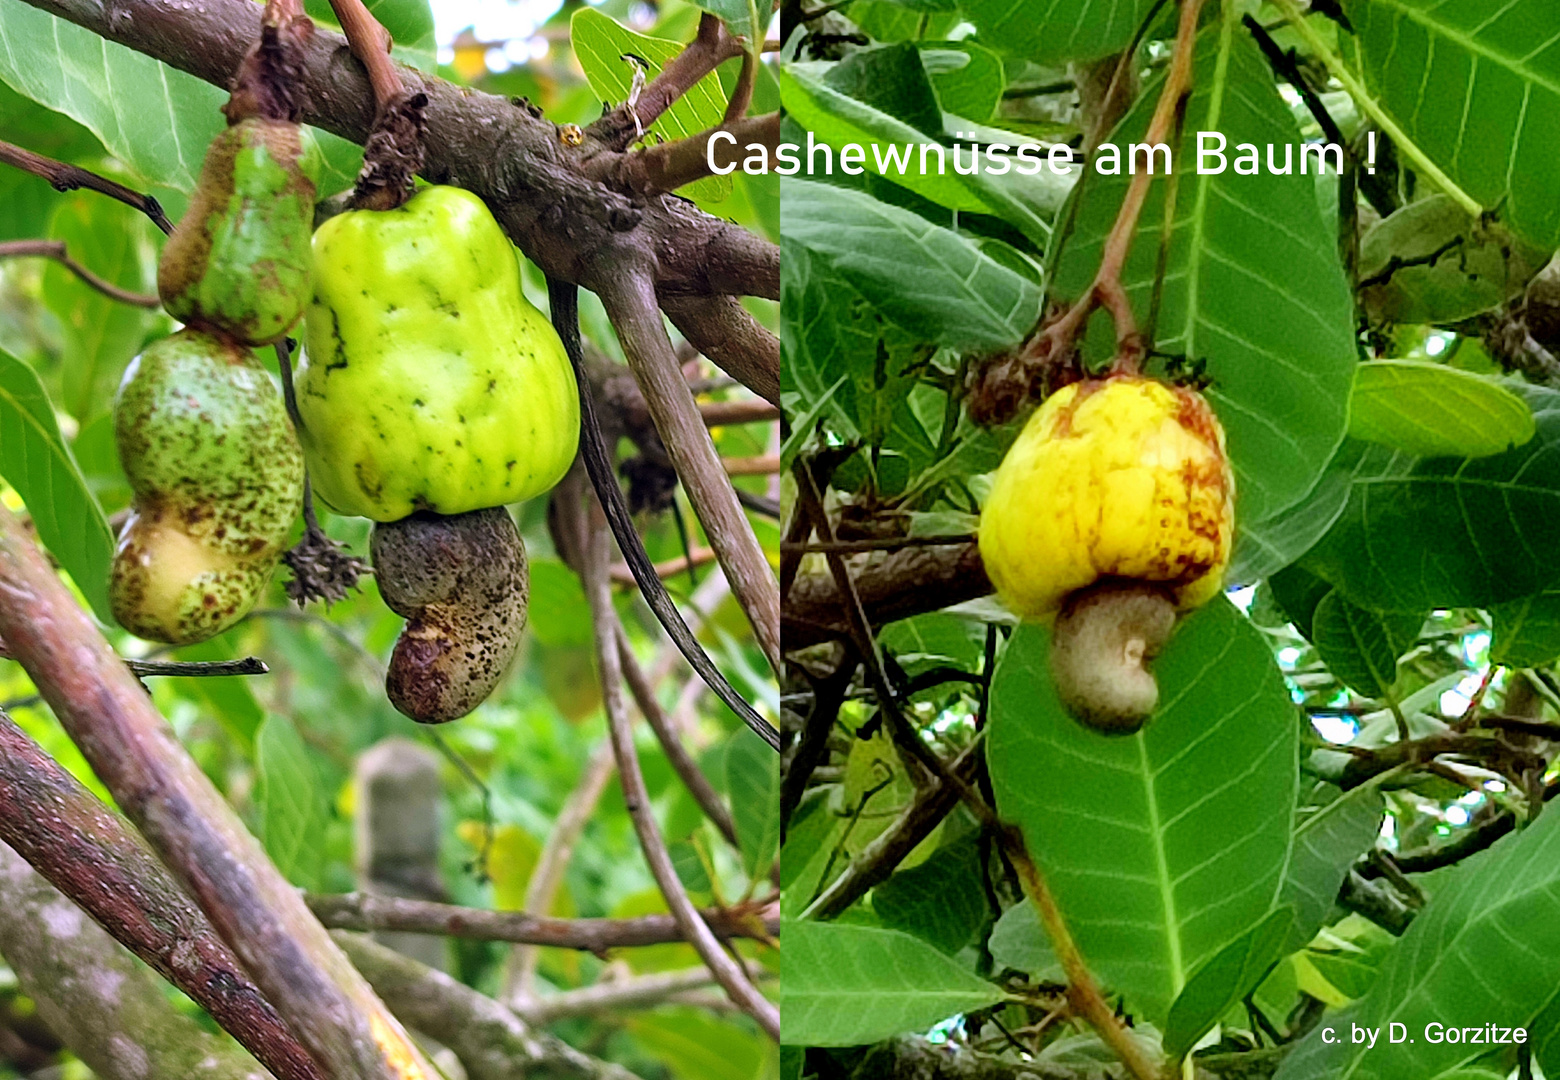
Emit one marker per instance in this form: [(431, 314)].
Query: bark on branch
[(191, 827), (893, 586)]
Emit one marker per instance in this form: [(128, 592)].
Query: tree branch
[(185, 819), (639, 991), (682, 762), (732, 978), (90, 854), (711, 47), (892, 586), (55, 249), (631, 304), (361, 911), (670, 165), (65, 177), (91, 992), (723, 330), (491, 1042)]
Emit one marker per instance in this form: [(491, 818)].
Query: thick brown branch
[(92, 855), (727, 971), (105, 1006), (631, 305), (892, 586), (360, 911), (193, 830), (55, 249), (547, 193), (70, 177)]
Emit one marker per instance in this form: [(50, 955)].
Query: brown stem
[(55, 249), (361, 911), (682, 762), (762, 465), (670, 165), (723, 330), (1106, 290), (718, 413), (66, 177), (892, 586), (667, 568), (630, 302), (1082, 991), (249, 665), (887, 543), (742, 93), (732, 978), (194, 831), (370, 43), (91, 855)]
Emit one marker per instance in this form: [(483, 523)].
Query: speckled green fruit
[(239, 259), (218, 480), (430, 383)]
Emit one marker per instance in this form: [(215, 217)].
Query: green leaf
[(36, 462), (1298, 593), (1433, 410), (1253, 284), (600, 44), (837, 119), (1163, 846), (753, 787), (942, 901), (739, 15), (100, 334), (852, 985), (1422, 533), (1224, 979), (698, 1046), (1328, 838), (928, 279), (163, 137), (1055, 31), (1526, 631), (1264, 548), (969, 78), (1355, 646), (827, 333), (293, 803), (1018, 941), (935, 640), (1430, 263), (558, 613), (889, 21), (1476, 86), (1484, 949), (792, 1059)]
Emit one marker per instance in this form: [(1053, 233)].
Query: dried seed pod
[(461, 582)]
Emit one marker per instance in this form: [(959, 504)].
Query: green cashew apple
[(218, 480), (239, 260), (462, 584), (430, 383)]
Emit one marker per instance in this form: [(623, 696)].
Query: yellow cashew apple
[(1112, 511)]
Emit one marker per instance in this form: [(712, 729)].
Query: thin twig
[(622, 574), (1405, 146), (55, 249), (762, 465), (887, 543), (742, 93), (1107, 290), (732, 978), (370, 44), (542, 890), (1082, 991), (640, 991), (564, 301), (249, 665), (682, 762), (364, 911), (717, 413), (711, 47), (65, 177)]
